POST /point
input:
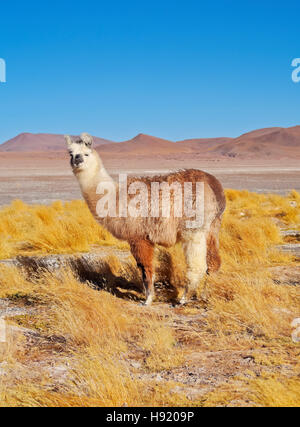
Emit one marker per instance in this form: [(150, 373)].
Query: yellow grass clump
[(244, 204), (269, 390), (60, 228), (249, 308)]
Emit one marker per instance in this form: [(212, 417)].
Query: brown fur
[(143, 252)]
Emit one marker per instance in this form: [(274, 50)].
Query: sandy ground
[(36, 179)]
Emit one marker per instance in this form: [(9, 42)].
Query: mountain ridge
[(274, 142)]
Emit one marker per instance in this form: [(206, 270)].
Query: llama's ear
[(87, 139), (68, 140)]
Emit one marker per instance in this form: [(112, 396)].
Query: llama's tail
[(213, 257)]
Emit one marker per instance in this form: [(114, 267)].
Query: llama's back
[(167, 230), (212, 185)]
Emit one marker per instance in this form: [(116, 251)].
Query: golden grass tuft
[(245, 204), (268, 390), (60, 228), (275, 391), (249, 308)]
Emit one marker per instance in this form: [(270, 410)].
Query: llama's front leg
[(195, 250), (148, 281), (143, 252)]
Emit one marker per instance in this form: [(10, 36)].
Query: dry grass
[(244, 204), (276, 391), (98, 332), (70, 227), (269, 390), (59, 228), (111, 349), (249, 309)]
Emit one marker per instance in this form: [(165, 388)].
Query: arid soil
[(35, 167), (46, 177)]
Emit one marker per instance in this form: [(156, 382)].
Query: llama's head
[(82, 155)]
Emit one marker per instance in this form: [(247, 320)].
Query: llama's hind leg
[(213, 252), (195, 250), (143, 252)]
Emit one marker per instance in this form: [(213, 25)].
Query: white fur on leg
[(183, 299), (195, 251), (149, 300), (150, 293)]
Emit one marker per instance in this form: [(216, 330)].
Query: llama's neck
[(90, 178)]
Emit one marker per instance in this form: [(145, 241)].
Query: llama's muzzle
[(77, 160)]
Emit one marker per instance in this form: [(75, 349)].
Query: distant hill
[(40, 142), (270, 143), (146, 144), (204, 144)]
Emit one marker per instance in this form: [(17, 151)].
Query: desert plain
[(35, 167)]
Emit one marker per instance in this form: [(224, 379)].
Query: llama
[(200, 244)]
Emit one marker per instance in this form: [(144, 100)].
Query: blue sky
[(174, 69)]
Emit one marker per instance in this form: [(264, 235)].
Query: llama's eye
[(86, 155)]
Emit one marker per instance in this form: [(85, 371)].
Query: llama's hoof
[(182, 301), (173, 304), (143, 304), (146, 303), (149, 300), (179, 303)]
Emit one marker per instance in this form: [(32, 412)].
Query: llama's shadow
[(128, 286), (98, 275), (120, 279), (102, 277)]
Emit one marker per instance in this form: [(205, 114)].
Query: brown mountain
[(204, 144), (40, 142), (271, 142), (145, 145)]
